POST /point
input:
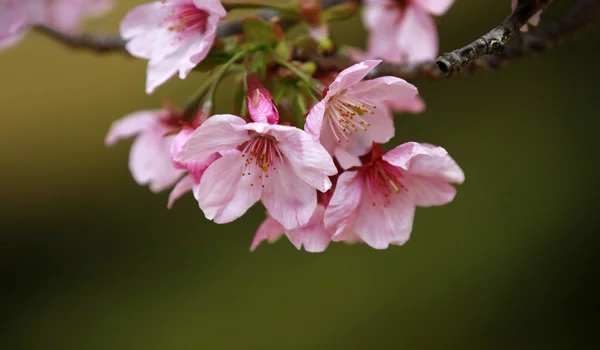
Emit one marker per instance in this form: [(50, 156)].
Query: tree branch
[(106, 43), (493, 42), (575, 20)]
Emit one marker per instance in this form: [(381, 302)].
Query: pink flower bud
[(260, 102)]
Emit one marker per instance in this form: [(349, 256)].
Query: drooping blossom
[(534, 20), (354, 113), (174, 35), (150, 155), (195, 168), (17, 16), (313, 235), (375, 202), (403, 31), (279, 165)]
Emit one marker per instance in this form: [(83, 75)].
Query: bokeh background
[(89, 260)]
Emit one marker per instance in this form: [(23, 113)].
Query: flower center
[(345, 116), (383, 180), (185, 18), (261, 157)]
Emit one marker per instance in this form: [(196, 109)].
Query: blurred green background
[(89, 260)]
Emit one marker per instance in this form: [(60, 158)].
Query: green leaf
[(258, 30), (283, 50)]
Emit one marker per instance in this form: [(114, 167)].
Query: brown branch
[(575, 20), (493, 42), (107, 43)]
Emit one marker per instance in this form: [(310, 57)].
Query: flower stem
[(301, 75)]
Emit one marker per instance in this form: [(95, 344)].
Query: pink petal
[(381, 226), (417, 36), (426, 191), (289, 199), (269, 230), (308, 159), (351, 75), (150, 161), (412, 105), (132, 125), (381, 130), (212, 6), (402, 155), (218, 133), (429, 161), (224, 194), (345, 159), (383, 26), (314, 119), (313, 236), (142, 19), (344, 203), (384, 89), (435, 7), (185, 185)]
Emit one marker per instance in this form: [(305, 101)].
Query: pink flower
[(259, 102), (280, 165), (195, 169), (534, 20), (16, 16), (376, 202), (313, 235), (150, 157), (175, 35), (402, 30), (354, 113)]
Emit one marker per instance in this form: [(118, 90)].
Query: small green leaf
[(257, 30), (283, 50)]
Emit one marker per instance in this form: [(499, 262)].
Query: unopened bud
[(259, 102)]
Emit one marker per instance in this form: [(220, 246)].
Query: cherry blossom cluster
[(308, 146)]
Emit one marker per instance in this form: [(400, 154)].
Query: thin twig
[(113, 43), (493, 42)]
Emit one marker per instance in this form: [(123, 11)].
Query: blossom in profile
[(375, 202), (150, 155), (403, 31), (17, 16), (354, 112), (313, 235), (259, 102), (174, 35)]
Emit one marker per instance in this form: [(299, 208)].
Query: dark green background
[(89, 260)]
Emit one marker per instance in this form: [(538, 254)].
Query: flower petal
[(381, 226), (218, 133), (314, 119), (313, 236), (381, 130), (346, 199), (224, 194), (435, 7), (412, 105), (384, 89), (426, 191), (269, 230), (132, 125), (345, 159), (417, 36), (308, 159), (402, 155), (212, 6), (351, 75), (289, 199), (185, 185), (426, 160)]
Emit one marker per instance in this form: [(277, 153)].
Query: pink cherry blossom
[(402, 31), (16, 16), (376, 202), (279, 165), (195, 169), (259, 102), (354, 113), (174, 35), (534, 20), (313, 235), (150, 157)]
